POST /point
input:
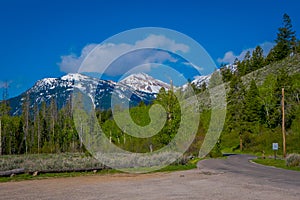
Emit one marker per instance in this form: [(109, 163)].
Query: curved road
[(224, 179), (242, 165)]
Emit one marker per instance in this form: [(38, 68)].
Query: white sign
[(275, 146)]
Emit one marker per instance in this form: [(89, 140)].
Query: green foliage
[(140, 116), (276, 163), (235, 105), (285, 41), (226, 73), (43, 129), (257, 60), (293, 133), (202, 129), (251, 62), (253, 104), (260, 108), (216, 151)]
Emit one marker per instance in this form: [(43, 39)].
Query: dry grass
[(48, 162), (293, 160)]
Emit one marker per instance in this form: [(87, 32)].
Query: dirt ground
[(192, 184)]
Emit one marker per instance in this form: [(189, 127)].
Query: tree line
[(41, 129)]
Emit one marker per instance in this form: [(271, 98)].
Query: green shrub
[(216, 151)]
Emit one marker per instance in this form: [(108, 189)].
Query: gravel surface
[(203, 183)]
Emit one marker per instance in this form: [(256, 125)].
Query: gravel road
[(209, 183)]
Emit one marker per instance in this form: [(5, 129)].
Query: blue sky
[(36, 34)]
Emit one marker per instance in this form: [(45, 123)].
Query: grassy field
[(275, 163)]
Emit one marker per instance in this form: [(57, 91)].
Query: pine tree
[(226, 73), (235, 104), (52, 114), (272, 99), (252, 108), (244, 66), (44, 138), (286, 38), (284, 80), (298, 46), (37, 127), (257, 60), (25, 118)]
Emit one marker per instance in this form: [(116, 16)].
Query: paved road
[(233, 178), (242, 165)]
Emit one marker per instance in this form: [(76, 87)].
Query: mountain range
[(134, 88)]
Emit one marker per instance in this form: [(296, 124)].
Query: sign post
[(275, 149)]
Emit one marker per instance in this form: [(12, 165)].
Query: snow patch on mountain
[(232, 67), (100, 91), (199, 80), (145, 83)]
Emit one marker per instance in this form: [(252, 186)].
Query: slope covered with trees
[(254, 112)]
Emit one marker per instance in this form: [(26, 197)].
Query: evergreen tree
[(270, 57), (244, 66), (247, 63), (257, 60), (52, 118), (37, 128), (252, 108), (285, 41), (44, 126), (272, 99), (235, 104), (26, 122), (298, 47), (284, 80), (226, 73)]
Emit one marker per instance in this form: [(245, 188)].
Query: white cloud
[(101, 56), (71, 63), (160, 41), (230, 56), (194, 66)]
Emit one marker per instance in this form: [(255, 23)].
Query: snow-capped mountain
[(144, 82), (135, 88), (199, 80), (232, 67)]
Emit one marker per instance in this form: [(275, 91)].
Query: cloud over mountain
[(230, 56), (102, 55)]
